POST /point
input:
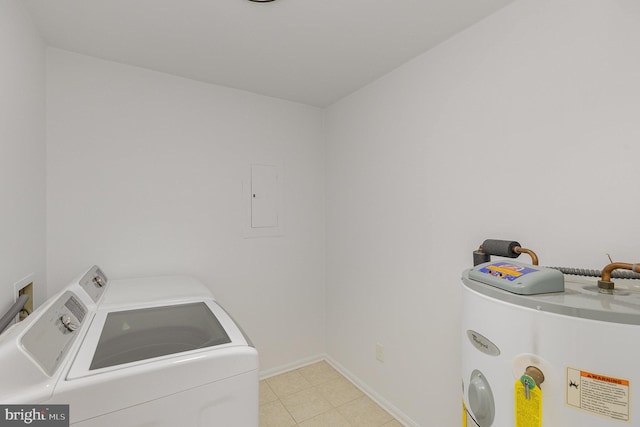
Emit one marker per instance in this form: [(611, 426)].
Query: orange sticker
[(598, 394)]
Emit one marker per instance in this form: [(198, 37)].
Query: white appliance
[(138, 352), (586, 345)]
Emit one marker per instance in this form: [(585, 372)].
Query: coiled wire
[(616, 274)]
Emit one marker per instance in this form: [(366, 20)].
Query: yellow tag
[(528, 412), (464, 414)]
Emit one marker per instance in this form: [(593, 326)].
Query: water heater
[(541, 348)]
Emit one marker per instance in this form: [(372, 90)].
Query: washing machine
[(137, 352), (540, 348)]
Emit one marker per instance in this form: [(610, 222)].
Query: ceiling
[(309, 51)]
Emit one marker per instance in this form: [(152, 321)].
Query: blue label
[(506, 270)]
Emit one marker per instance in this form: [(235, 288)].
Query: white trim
[(373, 395), (292, 366)]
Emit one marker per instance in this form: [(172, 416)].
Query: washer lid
[(129, 337), (140, 334)]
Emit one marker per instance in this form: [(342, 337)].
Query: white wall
[(145, 177), (523, 127), (22, 151)]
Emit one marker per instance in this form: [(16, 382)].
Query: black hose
[(503, 248), (16, 308)]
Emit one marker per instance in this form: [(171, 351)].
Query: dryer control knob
[(68, 323), (481, 400)]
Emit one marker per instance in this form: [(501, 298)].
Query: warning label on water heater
[(598, 394)]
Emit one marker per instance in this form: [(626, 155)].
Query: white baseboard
[(291, 366), (373, 395), (364, 387)]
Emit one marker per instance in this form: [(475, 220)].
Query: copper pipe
[(534, 257), (606, 272), (605, 285)]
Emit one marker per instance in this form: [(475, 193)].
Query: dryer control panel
[(523, 279), (49, 338), (94, 283)]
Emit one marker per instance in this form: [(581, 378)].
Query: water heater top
[(580, 298)]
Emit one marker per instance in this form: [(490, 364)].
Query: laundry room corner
[(147, 175)]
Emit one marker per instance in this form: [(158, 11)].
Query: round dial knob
[(68, 323), (98, 281)]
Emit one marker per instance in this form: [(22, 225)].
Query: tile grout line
[(311, 387), (312, 380)]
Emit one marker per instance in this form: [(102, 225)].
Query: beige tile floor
[(318, 396)]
